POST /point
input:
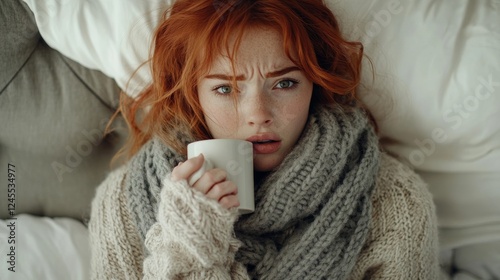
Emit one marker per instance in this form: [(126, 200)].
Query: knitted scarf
[(312, 214)]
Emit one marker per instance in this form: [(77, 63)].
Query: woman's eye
[(224, 89), (285, 84)]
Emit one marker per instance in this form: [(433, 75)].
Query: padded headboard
[(53, 112)]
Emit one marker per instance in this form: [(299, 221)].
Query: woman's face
[(273, 98)]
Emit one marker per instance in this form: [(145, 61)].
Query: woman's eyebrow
[(273, 74), (224, 77), (281, 72)]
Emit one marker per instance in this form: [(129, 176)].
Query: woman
[(329, 203)]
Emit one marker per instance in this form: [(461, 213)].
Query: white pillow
[(44, 248), (437, 82), (436, 93), (112, 36)]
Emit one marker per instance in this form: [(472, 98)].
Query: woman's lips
[(265, 143), (266, 147)]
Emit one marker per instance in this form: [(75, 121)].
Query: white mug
[(236, 158)]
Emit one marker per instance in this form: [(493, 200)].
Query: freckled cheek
[(221, 122), (295, 112)]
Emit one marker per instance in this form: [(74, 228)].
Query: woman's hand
[(212, 183)]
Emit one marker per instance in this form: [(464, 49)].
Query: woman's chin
[(265, 163)]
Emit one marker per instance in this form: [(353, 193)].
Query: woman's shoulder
[(403, 238), (110, 187), (116, 247), (401, 199), (398, 181), (402, 204)]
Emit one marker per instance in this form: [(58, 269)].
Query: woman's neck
[(259, 176)]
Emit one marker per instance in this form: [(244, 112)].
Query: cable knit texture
[(312, 214), (312, 218)]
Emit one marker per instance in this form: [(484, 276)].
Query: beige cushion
[(52, 114)]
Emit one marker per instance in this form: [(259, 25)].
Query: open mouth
[(266, 146), (265, 143)]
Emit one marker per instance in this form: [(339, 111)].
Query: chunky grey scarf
[(312, 214)]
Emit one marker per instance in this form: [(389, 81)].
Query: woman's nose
[(257, 110)]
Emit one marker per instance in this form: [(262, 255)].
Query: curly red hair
[(194, 32)]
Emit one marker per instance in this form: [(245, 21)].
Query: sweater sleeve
[(116, 248), (193, 237), (403, 243)]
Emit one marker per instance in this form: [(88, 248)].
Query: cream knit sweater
[(402, 243)]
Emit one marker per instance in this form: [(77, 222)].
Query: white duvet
[(44, 248)]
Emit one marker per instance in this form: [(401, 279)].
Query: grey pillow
[(52, 117)]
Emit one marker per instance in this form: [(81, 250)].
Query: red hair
[(194, 32)]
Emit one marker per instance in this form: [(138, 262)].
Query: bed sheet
[(44, 248)]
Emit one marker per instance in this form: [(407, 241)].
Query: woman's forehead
[(263, 46)]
